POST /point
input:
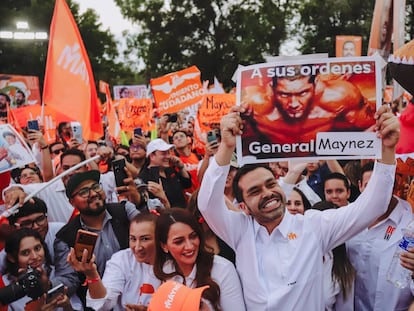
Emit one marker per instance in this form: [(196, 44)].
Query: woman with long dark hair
[(181, 255), (24, 248)]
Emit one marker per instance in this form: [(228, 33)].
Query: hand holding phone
[(85, 240), (33, 125), (77, 131), (118, 167), (211, 136), (138, 131), (54, 292)]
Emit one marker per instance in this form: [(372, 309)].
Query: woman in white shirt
[(128, 281), (181, 255)]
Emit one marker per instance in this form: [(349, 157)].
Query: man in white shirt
[(279, 257), (371, 252)]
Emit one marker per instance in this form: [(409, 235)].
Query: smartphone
[(33, 125), (211, 136), (118, 167), (77, 131), (54, 292), (138, 131), (85, 240)]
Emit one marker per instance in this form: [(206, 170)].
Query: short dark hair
[(368, 167), (306, 203), (29, 208), (243, 171), (8, 134), (5, 95), (73, 151), (339, 176)]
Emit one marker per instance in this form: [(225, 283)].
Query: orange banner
[(381, 28), (23, 114), (348, 46), (69, 85), (22, 90), (177, 90), (214, 107), (134, 113)]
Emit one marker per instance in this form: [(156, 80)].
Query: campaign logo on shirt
[(390, 230), (292, 236)]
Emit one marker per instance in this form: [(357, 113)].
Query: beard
[(96, 206)]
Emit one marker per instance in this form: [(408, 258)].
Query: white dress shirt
[(371, 252), (123, 278), (284, 270), (225, 275)]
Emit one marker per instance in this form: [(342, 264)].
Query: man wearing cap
[(109, 220), (167, 169)]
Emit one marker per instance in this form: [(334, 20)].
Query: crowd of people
[(194, 230)]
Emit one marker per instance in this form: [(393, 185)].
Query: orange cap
[(175, 296)]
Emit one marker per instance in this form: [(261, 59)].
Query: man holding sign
[(279, 255)]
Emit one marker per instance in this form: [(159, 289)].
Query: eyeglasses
[(57, 151), (136, 147), (40, 221), (84, 192)]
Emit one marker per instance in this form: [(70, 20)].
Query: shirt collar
[(107, 218), (283, 227)]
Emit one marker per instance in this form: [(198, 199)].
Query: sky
[(111, 17), (109, 13)]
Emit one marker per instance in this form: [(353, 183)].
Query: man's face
[(10, 139), (36, 221), (294, 98), (348, 49), (262, 197), (68, 162), (57, 150), (3, 102), (19, 99), (180, 140), (364, 181), (91, 150), (93, 204), (336, 192), (160, 158), (137, 152)]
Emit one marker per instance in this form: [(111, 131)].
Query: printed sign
[(130, 91), (14, 152), (309, 109)]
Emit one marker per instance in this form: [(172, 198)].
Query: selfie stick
[(15, 208)]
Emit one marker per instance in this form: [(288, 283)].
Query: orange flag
[(114, 128), (69, 85)]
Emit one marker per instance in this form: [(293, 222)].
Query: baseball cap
[(78, 178), (158, 144), (175, 296)]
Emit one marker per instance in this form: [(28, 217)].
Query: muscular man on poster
[(302, 106)]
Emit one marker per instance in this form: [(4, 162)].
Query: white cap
[(158, 144)]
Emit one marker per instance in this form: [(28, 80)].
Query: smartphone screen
[(138, 131), (85, 240), (33, 125), (211, 136), (118, 167)]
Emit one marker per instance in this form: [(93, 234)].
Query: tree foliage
[(29, 57), (322, 20), (214, 35)]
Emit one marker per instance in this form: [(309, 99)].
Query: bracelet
[(44, 147), (90, 281)]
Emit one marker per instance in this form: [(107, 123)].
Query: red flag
[(69, 85)]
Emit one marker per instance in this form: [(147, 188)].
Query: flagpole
[(15, 208)]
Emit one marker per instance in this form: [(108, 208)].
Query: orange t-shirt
[(191, 165)]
